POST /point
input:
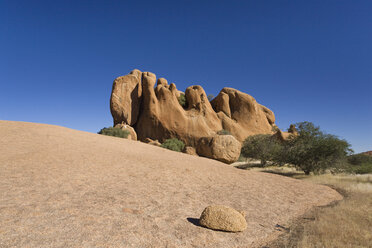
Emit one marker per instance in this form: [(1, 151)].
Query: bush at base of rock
[(173, 144), (132, 133), (113, 131), (223, 218)]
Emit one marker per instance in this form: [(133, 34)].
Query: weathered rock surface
[(90, 190), (132, 133), (126, 98), (224, 148), (223, 218), (151, 106), (241, 115)]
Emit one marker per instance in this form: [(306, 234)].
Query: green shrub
[(361, 169), (358, 159), (182, 100), (223, 132), (173, 144), (359, 164), (113, 131)]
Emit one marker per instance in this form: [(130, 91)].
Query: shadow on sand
[(194, 221)]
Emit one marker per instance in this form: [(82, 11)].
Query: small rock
[(223, 218), (190, 150), (152, 142)]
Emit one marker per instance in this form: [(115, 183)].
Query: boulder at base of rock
[(132, 133), (224, 148), (223, 218), (190, 150)]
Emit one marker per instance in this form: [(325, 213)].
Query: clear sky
[(306, 60)]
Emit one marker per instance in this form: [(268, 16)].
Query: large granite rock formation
[(151, 106)]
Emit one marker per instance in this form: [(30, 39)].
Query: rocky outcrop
[(241, 115), (126, 98), (283, 136), (224, 148), (151, 107), (223, 218)]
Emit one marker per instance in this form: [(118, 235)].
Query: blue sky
[(305, 60)]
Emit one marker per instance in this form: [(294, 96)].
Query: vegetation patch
[(359, 164), (113, 131), (224, 132), (173, 144), (182, 100)]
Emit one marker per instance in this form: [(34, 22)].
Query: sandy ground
[(65, 188)]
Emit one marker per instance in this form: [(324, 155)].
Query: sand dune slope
[(65, 188)]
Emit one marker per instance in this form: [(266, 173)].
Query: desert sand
[(66, 188)]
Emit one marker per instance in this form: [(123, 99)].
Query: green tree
[(314, 151), (263, 147)]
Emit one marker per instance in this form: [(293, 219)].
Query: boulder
[(190, 150), (132, 133), (223, 218), (224, 148), (292, 129)]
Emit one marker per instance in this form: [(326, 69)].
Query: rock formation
[(223, 218), (283, 136), (151, 107)]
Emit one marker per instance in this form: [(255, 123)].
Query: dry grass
[(347, 223)]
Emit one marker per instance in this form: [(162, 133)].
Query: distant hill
[(369, 153)]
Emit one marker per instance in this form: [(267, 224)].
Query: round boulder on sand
[(223, 218)]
